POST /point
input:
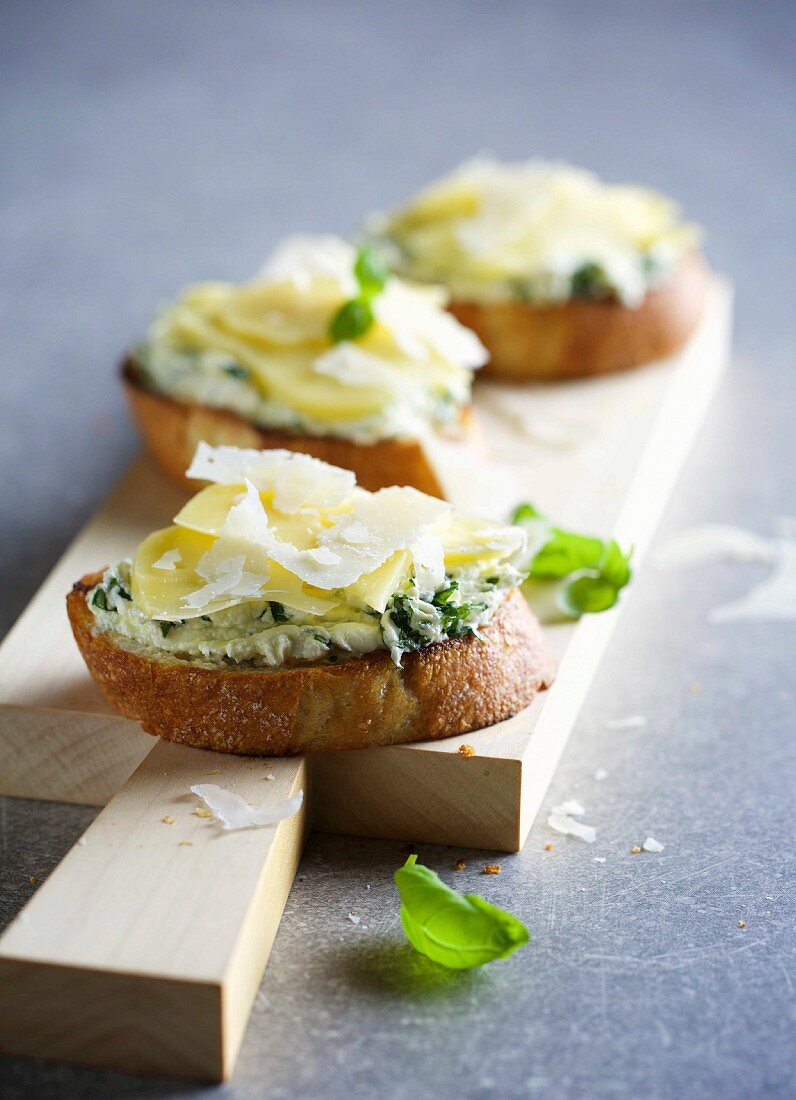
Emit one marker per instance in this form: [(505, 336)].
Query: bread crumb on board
[(635, 850), (186, 844), (466, 750), (742, 924), (167, 819), (492, 869), (548, 847), (202, 812)]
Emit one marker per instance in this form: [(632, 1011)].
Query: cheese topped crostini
[(324, 352), (560, 274), (288, 610)]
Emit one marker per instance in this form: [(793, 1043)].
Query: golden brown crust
[(578, 338), (172, 429), (447, 689)]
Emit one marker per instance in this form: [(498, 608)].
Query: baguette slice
[(172, 429), (446, 689), (579, 338)]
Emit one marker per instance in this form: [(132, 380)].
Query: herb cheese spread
[(283, 560), (535, 231), (324, 341)]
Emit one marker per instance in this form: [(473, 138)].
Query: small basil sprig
[(593, 572), (355, 317), (459, 931)]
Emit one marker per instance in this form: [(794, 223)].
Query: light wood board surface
[(601, 455), (145, 948), (140, 952)]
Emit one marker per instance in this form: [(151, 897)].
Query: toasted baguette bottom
[(172, 429), (579, 338), (449, 688)]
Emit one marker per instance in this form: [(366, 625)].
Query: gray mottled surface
[(146, 145)]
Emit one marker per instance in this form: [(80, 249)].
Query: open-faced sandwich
[(559, 274), (325, 353), (288, 611)]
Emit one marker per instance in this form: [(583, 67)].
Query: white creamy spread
[(263, 350), (535, 231), (284, 560)]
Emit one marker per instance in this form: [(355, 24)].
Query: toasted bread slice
[(172, 430), (578, 338), (445, 689)]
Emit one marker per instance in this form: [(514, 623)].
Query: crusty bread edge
[(580, 338), (172, 429), (448, 688)]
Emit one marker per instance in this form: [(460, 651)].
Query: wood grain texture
[(143, 953), (60, 739), (172, 430), (145, 948), (583, 337)]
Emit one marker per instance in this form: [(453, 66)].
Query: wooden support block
[(143, 953), (622, 441), (145, 948)]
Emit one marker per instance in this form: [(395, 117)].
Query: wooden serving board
[(170, 939)]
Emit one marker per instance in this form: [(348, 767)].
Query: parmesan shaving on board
[(234, 812)]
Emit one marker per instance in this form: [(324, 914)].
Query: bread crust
[(446, 689), (172, 429), (579, 338)]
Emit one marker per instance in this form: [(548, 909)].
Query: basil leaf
[(593, 571), (587, 593), (564, 552), (524, 512), (352, 320), (371, 272), (459, 931), (278, 612), (165, 627), (614, 565)]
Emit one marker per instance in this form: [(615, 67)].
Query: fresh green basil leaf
[(614, 565), (564, 552), (593, 571), (524, 512), (587, 593), (371, 271), (352, 320), (459, 931)]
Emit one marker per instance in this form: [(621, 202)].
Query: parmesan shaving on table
[(235, 813)]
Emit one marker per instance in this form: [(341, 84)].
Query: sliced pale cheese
[(162, 594), (468, 540), (428, 558), (231, 544), (374, 589), (170, 560), (297, 481), (207, 513)]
